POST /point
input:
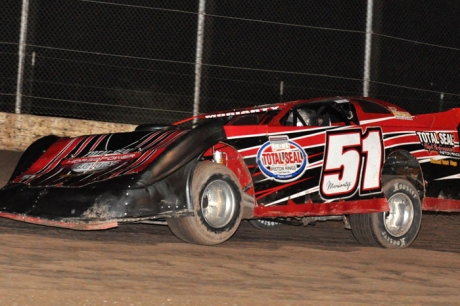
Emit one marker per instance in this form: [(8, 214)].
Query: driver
[(309, 116)]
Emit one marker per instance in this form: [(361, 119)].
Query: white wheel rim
[(218, 203), (401, 216)]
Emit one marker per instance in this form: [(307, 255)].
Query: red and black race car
[(361, 160)]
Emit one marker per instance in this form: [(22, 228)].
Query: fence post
[(281, 91), (368, 48), (21, 55), (199, 56), (441, 101)]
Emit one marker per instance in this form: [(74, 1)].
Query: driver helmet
[(309, 116)]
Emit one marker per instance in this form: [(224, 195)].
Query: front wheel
[(216, 196), (397, 228)]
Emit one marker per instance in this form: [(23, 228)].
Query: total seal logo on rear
[(281, 159)]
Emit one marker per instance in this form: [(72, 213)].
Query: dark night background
[(134, 61)]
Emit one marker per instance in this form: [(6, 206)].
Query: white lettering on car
[(243, 112), (353, 161)]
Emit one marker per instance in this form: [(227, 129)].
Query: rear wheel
[(216, 196), (397, 228)]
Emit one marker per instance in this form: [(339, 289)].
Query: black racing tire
[(216, 196), (397, 228), (264, 224)]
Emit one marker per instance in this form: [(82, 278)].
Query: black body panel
[(160, 190)]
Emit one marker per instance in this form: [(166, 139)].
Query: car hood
[(79, 161)]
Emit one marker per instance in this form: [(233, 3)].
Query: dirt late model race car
[(361, 160)]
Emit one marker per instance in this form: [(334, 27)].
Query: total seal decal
[(440, 142), (281, 159)]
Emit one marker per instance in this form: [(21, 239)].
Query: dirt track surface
[(139, 264)]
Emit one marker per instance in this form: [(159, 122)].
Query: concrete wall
[(19, 131)]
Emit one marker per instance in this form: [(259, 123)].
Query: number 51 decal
[(353, 161)]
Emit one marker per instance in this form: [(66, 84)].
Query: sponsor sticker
[(400, 114), (85, 167), (443, 162), (281, 159), (97, 161), (440, 142)]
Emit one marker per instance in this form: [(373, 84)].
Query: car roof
[(363, 105)]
